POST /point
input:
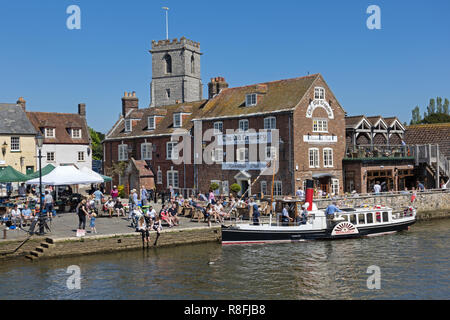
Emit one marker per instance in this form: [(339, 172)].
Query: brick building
[(299, 121)]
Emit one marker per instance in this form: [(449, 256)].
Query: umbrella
[(66, 175), (9, 174), (46, 170)]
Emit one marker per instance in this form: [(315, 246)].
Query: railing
[(378, 152), (430, 155)]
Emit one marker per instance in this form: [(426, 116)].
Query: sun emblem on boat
[(344, 228)]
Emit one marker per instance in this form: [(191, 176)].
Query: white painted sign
[(319, 103), (344, 228), (319, 139), (245, 138)]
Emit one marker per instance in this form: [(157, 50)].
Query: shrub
[(214, 186), (121, 192), (235, 187)]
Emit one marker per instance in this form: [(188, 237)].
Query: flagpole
[(167, 22)]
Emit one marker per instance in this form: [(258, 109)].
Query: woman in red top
[(165, 216)]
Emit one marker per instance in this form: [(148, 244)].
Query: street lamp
[(39, 142)]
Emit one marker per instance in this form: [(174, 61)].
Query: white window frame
[(320, 125), (15, 144), (146, 151), (122, 153), (242, 155), (47, 132), (159, 176), (225, 188), (319, 93), (52, 157), (335, 186), (328, 158), (82, 158), (272, 151), (173, 153), (278, 188), (264, 187), (78, 135), (251, 100), (151, 127), (218, 127), (243, 125), (128, 125), (217, 155), (270, 123), (313, 158), (171, 179), (175, 116)]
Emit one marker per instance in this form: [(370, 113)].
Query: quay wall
[(65, 247), (429, 205)]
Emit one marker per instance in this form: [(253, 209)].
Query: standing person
[(142, 228), (256, 214), (211, 197), (171, 191), (48, 204), (98, 197), (162, 195), (157, 227), (82, 213), (144, 195), (377, 187), (114, 193), (300, 193), (92, 225)]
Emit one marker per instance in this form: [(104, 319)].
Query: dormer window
[(49, 132), (128, 125), (76, 133), (177, 123), (151, 123), (319, 93), (250, 100)]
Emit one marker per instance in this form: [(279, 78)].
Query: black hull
[(236, 236)]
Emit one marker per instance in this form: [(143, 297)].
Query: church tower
[(176, 74)]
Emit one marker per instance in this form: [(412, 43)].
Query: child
[(93, 218)]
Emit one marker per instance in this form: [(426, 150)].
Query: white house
[(66, 137)]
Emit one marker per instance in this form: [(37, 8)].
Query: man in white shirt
[(377, 188), (16, 216), (300, 193)]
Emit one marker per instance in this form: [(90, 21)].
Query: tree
[(416, 118), (439, 107), (431, 107), (445, 108), (97, 147), (436, 118)]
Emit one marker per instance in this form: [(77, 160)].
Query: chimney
[(215, 86), (129, 102), (22, 103), (82, 109)]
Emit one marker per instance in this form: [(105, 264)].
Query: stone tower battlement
[(174, 44)]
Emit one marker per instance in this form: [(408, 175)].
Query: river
[(412, 265)]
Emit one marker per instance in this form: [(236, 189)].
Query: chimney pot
[(21, 101)]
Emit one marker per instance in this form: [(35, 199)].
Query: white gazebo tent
[(92, 173), (66, 175)]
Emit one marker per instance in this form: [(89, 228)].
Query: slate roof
[(13, 120), (438, 133), (61, 122)]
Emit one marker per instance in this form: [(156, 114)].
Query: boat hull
[(233, 235)]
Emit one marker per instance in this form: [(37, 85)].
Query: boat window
[(361, 218), (385, 217), (378, 216), (353, 218), (370, 217), (345, 216)]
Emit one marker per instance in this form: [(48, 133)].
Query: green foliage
[(97, 147), (214, 186), (235, 187), (121, 191), (437, 112)]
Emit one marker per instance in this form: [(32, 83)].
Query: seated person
[(118, 207), (256, 214), (165, 216), (27, 215), (173, 213), (110, 207), (218, 207), (16, 216), (285, 218)]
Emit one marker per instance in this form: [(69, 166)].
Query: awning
[(323, 175), (9, 174), (95, 174), (46, 170), (66, 175)]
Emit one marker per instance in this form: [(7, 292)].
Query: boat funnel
[(309, 194)]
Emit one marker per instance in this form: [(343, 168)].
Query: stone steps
[(40, 251)]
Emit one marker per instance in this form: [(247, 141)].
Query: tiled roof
[(430, 134), (272, 96), (13, 120), (353, 120), (163, 127), (61, 122)]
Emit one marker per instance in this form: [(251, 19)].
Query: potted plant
[(235, 188)]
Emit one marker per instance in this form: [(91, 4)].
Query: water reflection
[(414, 265)]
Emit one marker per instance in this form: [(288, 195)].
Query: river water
[(412, 265)]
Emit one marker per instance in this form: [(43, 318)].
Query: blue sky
[(373, 72)]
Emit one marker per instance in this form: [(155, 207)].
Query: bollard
[(4, 233)]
